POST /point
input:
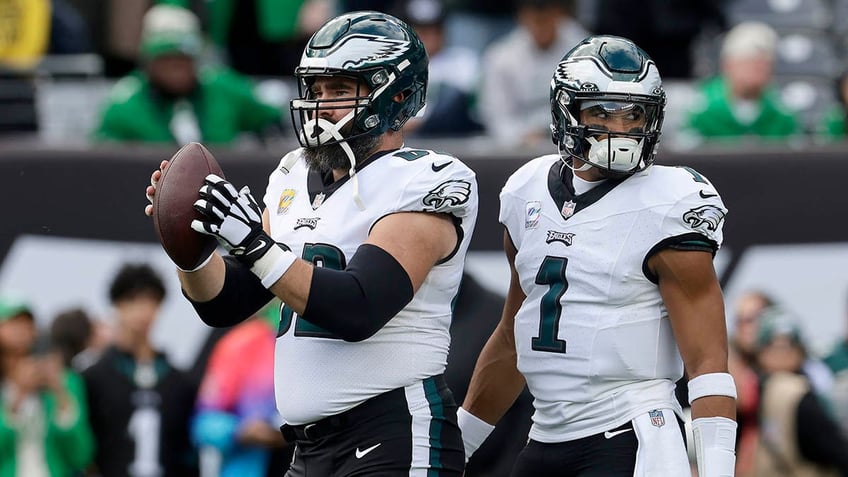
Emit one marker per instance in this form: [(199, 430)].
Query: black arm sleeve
[(242, 296), (356, 302), (819, 438)]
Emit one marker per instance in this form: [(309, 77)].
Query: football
[(173, 205)]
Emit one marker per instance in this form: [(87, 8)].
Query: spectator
[(44, 429), (741, 363), (741, 101), (798, 436), (454, 74), (236, 412), (747, 309), (514, 101), (140, 404), (262, 37), (833, 124), (171, 99), (78, 338)]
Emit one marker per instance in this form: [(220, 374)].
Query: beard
[(332, 156)]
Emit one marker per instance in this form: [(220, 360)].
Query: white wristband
[(202, 264), (711, 384), (474, 431), (714, 439), (273, 265)]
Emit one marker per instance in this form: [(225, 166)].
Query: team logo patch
[(310, 222), (449, 193), (568, 209), (286, 199), (533, 212), (564, 237), (705, 216), (657, 417)]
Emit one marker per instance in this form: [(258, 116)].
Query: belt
[(315, 430), (330, 425)]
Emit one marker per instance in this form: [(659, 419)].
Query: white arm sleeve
[(715, 441), (474, 431)]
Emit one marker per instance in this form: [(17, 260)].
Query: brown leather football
[(173, 205)]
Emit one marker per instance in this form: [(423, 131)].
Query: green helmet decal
[(383, 54)]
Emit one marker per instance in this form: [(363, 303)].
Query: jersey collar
[(318, 182), (561, 187)]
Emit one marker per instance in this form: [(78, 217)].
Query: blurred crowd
[(173, 71), (792, 406), (94, 396)]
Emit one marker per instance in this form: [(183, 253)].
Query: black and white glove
[(235, 219)]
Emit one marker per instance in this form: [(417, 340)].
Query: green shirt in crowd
[(68, 444), (224, 105), (714, 117), (833, 124), (276, 20)]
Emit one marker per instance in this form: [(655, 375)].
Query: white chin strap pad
[(333, 131), (319, 131), (618, 153)]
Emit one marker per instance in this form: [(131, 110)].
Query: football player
[(363, 239), (613, 292)]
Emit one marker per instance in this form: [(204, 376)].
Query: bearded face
[(331, 156)]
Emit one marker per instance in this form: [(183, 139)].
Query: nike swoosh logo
[(611, 434), (361, 453), (706, 195), (441, 166), (258, 247)]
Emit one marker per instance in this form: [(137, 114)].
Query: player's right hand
[(150, 191)]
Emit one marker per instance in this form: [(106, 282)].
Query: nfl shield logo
[(568, 209), (657, 417)]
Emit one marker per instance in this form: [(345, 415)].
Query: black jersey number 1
[(551, 273)]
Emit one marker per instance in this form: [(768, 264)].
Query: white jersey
[(593, 337), (316, 374)]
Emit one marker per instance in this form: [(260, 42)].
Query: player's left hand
[(233, 217)]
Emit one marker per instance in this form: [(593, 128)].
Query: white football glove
[(234, 218)]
